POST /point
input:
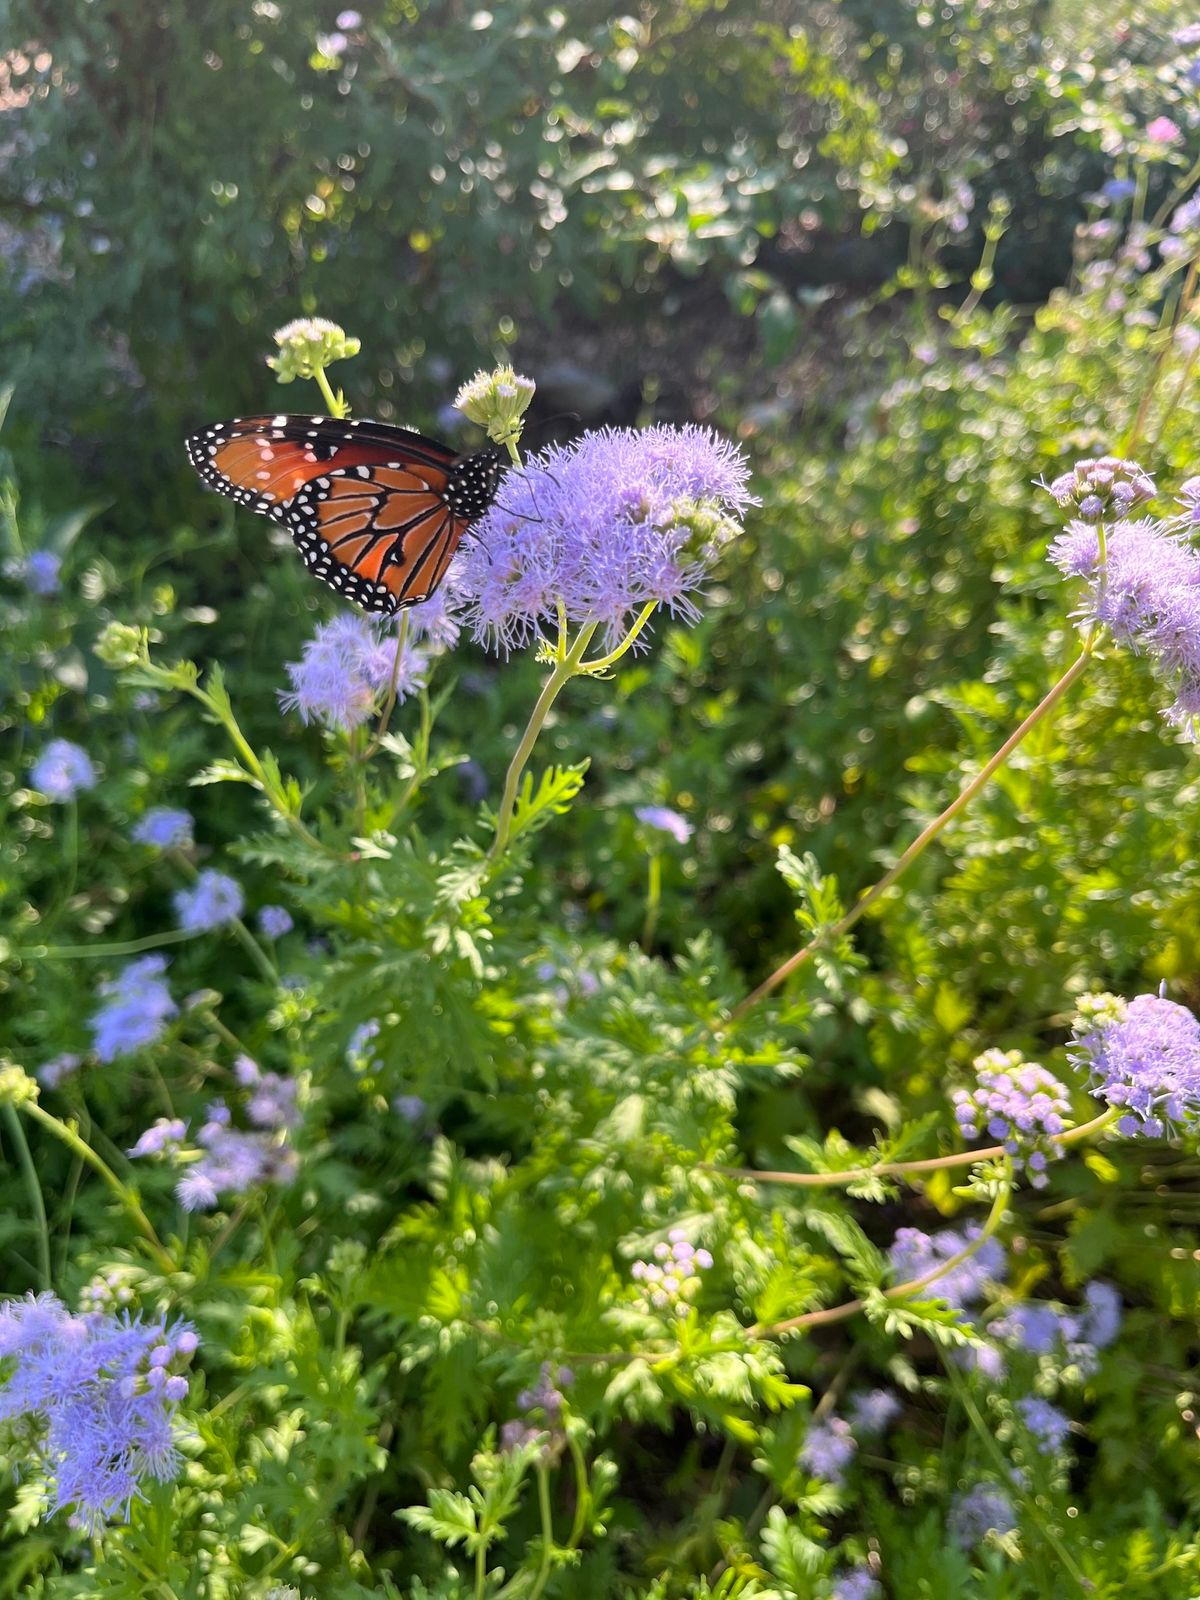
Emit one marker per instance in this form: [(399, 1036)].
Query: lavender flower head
[(664, 820), (1103, 487), (344, 669), (137, 1008), (602, 527), (856, 1583), (1143, 1055), (41, 573), (672, 1278), (982, 1510), (212, 901), (1045, 1422), (274, 922), (51, 1073), (828, 1450), (914, 1253), (1147, 593), (360, 1057), (872, 1413), (232, 1162), (541, 1411), (164, 828), (163, 1138), (62, 770), (96, 1397), (1019, 1103), (273, 1103)]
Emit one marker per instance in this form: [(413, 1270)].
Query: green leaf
[(556, 789)]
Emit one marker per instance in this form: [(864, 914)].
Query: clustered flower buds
[(1143, 1055), (497, 401), (672, 1279), (307, 346), (1019, 1103), (541, 1411), (1104, 487)]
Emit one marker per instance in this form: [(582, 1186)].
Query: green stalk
[(653, 900), (565, 668), (124, 1194), (925, 838), (33, 1185), (543, 1572)]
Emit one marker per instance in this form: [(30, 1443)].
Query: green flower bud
[(121, 645), (308, 345), (497, 401), (1097, 1011), (16, 1086)]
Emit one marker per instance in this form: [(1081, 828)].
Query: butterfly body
[(375, 511)]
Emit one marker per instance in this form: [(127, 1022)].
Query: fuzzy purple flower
[(541, 1411), (1034, 1326), (1045, 1422), (1019, 1103), (872, 1413), (856, 1583), (233, 1162), (274, 922), (62, 770), (51, 1073), (828, 1450), (137, 1008), (212, 901), (602, 527), (41, 573), (982, 1510), (163, 1138), (273, 1103), (664, 820), (360, 1057), (1102, 1314), (913, 1254), (344, 669), (1147, 593), (164, 828), (95, 1398), (411, 1107), (1143, 1055)]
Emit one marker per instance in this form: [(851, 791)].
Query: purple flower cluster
[(913, 1254), (1143, 1055), (41, 573), (1047, 1424), (541, 1411), (96, 1397), (856, 1583), (828, 1449), (982, 1510), (212, 901), (162, 1139), (273, 1101), (1019, 1103), (360, 1057), (232, 1162), (1074, 1337), (873, 1412), (274, 922), (164, 828), (1146, 591), (137, 1008), (602, 527), (664, 820), (411, 1107), (672, 1279), (345, 668), (1104, 487), (51, 1073), (62, 770)]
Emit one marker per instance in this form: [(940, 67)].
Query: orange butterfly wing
[(376, 512)]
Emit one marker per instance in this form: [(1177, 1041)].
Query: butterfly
[(376, 511)]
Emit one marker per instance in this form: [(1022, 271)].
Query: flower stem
[(643, 617), (390, 703), (335, 402), (925, 838), (543, 1572), (653, 900), (33, 1184), (899, 1291), (67, 1134), (902, 1169), (127, 947), (563, 671)]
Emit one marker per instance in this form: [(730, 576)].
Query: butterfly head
[(474, 480)]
